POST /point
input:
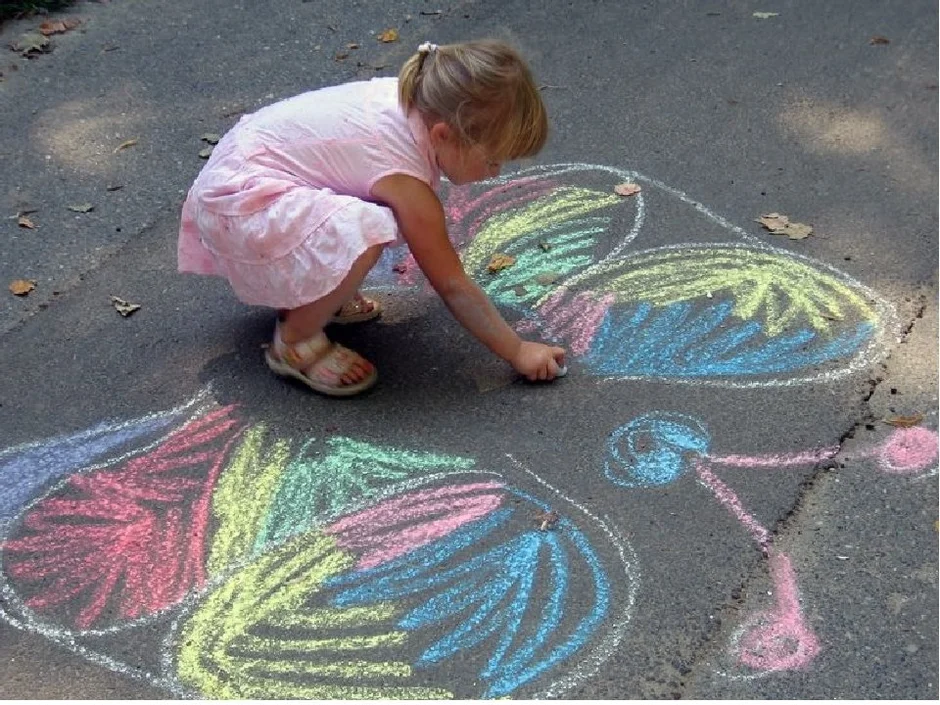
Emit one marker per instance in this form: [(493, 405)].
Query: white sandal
[(357, 310), (319, 363)]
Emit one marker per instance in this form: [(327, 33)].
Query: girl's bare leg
[(307, 321)]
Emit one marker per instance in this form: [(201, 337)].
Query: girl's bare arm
[(421, 219)]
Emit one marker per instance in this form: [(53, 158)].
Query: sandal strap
[(304, 353), (333, 365), (317, 356)]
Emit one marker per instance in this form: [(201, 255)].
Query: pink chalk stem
[(728, 498), (783, 460)]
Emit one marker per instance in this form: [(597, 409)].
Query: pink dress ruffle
[(280, 243)]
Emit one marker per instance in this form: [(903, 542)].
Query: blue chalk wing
[(514, 604)]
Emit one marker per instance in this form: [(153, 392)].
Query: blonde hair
[(483, 90)]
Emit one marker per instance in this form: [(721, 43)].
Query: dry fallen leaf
[(123, 307), (82, 208), (21, 287), (766, 15), (878, 39), (59, 26), (773, 221), (499, 261), (210, 137), (905, 421), (796, 231), (627, 189), (779, 224), (125, 145), (389, 35), (367, 65), (31, 44), (352, 45), (25, 222)]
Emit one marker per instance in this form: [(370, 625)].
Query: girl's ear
[(440, 132)]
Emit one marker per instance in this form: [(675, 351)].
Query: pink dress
[(282, 207)]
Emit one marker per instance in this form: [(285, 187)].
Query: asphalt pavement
[(732, 494)]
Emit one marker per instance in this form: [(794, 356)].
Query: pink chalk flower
[(909, 450)]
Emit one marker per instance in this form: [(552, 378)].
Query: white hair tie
[(427, 48)]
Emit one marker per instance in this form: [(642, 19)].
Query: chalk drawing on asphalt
[(383, 567), (272, 567), (658, 448), (714, 305)]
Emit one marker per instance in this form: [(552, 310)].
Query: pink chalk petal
[(574, 319), (781, 643), (131, 535), (909, 450), (460, 204), (401, 524)]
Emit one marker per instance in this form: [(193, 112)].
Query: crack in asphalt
[(713, 640)]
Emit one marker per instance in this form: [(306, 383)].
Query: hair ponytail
[(410, 75), (408, 81)]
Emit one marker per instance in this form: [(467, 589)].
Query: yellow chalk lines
[(254, 636), (332, 619), (346, 669), (782, 289), (266, 645), (563, 204), (244, 494)]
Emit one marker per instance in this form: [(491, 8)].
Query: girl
[(298, 200)]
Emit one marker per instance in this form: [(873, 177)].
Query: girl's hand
[(538, 362)]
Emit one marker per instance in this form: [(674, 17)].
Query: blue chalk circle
[(653, 449)]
